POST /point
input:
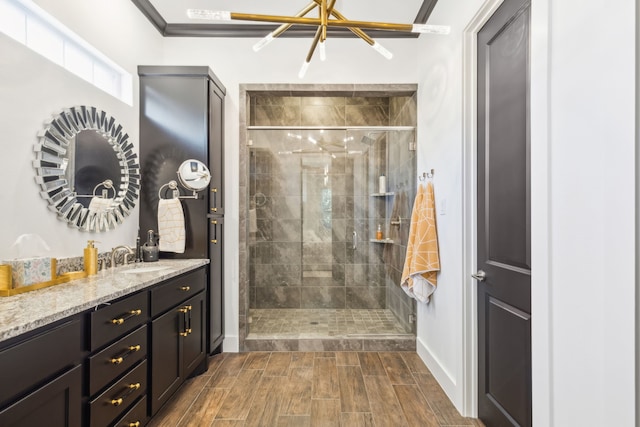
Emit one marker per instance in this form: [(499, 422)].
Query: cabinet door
[(216, 149), (216, 280), (194, 343), (166, 368), (56, 404)]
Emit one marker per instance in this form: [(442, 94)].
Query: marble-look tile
[(323, 297), (329, 115), (331, 345), (288, 207), (276, 115), (278, 297), (316, 253), (270, 345), (286, 230), (323, 100), (396, 344), (362, 115), (369, 100), (365, 297), (269, 99), (277, 275), (285, 253)]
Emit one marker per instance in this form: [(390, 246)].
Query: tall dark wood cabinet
[(182, 117)]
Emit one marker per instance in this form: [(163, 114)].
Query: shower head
[(369, 140)]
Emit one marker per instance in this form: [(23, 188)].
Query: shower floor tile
[(321, 323)]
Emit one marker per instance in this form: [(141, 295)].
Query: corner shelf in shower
[(382, 194), (383, 241)]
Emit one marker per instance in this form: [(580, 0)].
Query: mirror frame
[(50, 166)]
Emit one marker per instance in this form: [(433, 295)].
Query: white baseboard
[(445, 380), (231, 344)]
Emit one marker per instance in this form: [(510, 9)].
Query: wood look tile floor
[(305, 389)]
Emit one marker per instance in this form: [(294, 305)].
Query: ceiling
[(170, 18)]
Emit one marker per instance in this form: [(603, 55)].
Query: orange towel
[(422, 263)]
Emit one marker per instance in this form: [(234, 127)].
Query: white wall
[(592, 175), (440, 147), (32, 89), (583, 211), (235, 63)]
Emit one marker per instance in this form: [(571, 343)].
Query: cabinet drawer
[(37, 359), (136, 417), (177, 290), (119, 397), (111, 322), (116, 359)]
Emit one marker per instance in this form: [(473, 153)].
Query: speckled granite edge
[(26, 312)]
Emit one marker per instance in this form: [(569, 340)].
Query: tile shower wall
[(403, 182), (303, 210)]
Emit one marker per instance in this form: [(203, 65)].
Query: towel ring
[(108, 185), (173, 185)]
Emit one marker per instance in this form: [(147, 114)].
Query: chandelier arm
[(314, 43), (318, 22), (323, 20), (357, 31), (284, 27)]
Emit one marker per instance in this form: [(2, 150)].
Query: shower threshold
[(327, 330)]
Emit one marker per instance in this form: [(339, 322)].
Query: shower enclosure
[(325, 242)]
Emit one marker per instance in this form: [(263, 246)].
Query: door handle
[(480, 276), (354, 237)]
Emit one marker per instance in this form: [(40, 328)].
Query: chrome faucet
[(119, 248)]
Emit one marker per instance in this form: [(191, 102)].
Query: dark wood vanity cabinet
[(115, 365), (178, 335), (42, 377)]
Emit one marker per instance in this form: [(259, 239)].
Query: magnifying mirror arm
[(173, 185)]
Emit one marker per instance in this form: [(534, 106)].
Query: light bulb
[(263, 42), (431, 29), (303, 70), (323, 51), (209, 15), (382, 50)]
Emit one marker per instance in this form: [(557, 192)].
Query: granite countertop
[(31, 310)]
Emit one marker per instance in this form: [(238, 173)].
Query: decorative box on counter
[(29, 271)]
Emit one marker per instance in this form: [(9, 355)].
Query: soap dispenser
[(91, 258), (150, 250)]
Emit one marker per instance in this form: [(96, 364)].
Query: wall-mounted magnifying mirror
[(87, 169), (194, 175)]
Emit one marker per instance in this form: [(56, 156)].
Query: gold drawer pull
[(120, 320), (214, 222), (117, 360), (214, 209), (184, 334), (183, 310), (214, 241), (185, 288), (132, 388), (136, 424), (130, 349)]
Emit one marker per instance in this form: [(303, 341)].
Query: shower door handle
[(355, 240)]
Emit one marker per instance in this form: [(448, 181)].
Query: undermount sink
[(140, 270)]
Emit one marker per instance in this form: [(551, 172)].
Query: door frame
[(542, 336)]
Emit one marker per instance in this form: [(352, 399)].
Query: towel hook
[(426, 175)]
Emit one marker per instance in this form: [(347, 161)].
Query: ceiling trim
[(260, 30)]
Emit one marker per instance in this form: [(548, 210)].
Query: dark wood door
[(504, 232), (56, 404), (166, 357), (194, 344)]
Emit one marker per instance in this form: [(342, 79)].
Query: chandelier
[(328, 17)]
